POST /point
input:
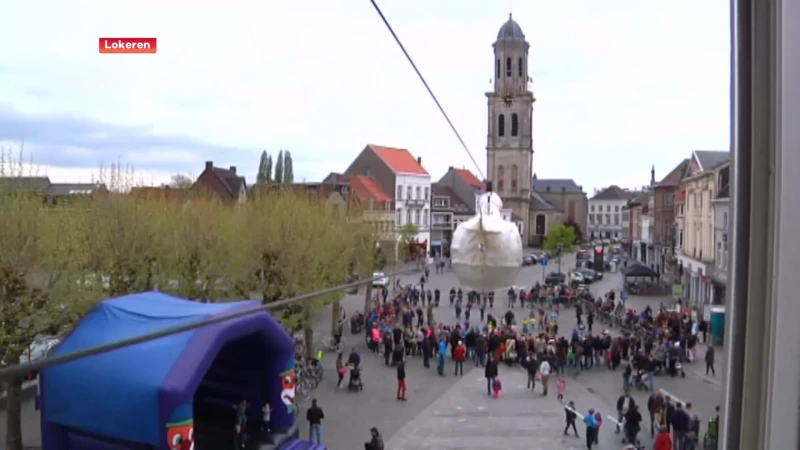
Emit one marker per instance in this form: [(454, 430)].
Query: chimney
[(209, 165), (233, 169), (653, 175), (419, 160)]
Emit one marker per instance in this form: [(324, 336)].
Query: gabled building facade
[(718, 274), (447, 212), (401, 176), (555, 202), (664, 230), (701, 186), (229, 186), (606, 211)]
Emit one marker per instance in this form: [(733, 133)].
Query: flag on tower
[(530, 80)]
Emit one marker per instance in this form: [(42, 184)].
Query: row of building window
[(600, 208), (501, 125), (411, 191), (509, 71), (598, 219), (412, 216), (501, 178)]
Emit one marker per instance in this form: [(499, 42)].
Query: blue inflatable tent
[(143, 396)]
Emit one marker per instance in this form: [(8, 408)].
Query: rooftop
[(556, 185), (399, 160), (470, 178), (366, 188), (710, 159), (510, 31), (613, 192)]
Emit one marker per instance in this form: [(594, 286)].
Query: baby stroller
[(355, 384), (356, 323), (640, 381)]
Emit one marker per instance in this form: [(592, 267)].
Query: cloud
[(620, 86)]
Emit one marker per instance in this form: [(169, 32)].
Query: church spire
[(653, 175)]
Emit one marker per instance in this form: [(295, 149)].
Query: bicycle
[(329, 345), (310, 369)]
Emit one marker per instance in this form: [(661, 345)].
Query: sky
[(621, 85)]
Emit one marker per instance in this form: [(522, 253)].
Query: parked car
[(379, 279), (590, 275), (583, 254), (576, 278), (555, 278), (528, 261)]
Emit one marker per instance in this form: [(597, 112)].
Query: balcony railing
[(442, 225), (415, 202)]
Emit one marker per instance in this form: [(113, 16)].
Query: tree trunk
[(335, 313), (14, 413), (308, 333), (368, 299)]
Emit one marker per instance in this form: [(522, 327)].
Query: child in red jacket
[(663, 440)]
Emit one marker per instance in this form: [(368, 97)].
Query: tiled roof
[(470, 178), (39, 185), (160, 193), (673, 178), (640, 199), (232, 181), (366, 188), (556, 185), (458, 206), (399, 160), (537, 203), (709, 160), (613, 192)]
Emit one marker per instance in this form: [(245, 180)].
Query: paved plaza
[(449, 412)]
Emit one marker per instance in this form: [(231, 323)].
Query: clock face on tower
[(508, 99)]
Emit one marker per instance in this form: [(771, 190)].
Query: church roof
[(556, 185), (510, 31), (537, 203)]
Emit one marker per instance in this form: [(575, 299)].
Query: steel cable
[(427, 87), (26, 368)]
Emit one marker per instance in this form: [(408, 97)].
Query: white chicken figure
[(486, 250)]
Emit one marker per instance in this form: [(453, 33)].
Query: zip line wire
[(26, 368), (430, 91)]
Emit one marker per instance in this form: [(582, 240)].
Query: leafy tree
[(268, 169), (40, 251), (288, 173), (127, 239), (279, 168), (201, 234), (294, 244), (180, 181), (576, 229), (561, 239), (264, 170), (408, 234)]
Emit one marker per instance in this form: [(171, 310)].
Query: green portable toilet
[(717, 320)]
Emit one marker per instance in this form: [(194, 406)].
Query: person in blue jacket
[(440, 357), (591, 428)]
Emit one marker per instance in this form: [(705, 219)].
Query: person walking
[(401, 381), (544, 372), (710, 361), (571, 417), (460, 355), (490, 371), (591, 428), (314, 416)]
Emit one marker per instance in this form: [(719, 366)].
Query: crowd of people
[(640, 345)]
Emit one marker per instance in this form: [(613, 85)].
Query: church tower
[(509, 150)]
